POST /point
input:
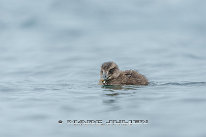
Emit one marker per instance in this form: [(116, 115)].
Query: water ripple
[(179, 84)]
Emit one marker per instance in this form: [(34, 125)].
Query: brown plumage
[(111, 75)]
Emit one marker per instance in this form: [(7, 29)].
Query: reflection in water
[(122, 87), (111, 100), (112, 105), (113, 94), (114, 90), (113, 87)]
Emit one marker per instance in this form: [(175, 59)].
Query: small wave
[(179, 84)]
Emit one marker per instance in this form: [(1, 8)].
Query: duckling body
[(111, 75)]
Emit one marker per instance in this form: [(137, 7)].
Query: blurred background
[(50, 57)]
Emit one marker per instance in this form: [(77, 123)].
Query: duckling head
[(109, 70)]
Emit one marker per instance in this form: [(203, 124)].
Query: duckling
[(110, 74)]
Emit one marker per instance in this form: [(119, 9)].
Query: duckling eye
[(111, 70)]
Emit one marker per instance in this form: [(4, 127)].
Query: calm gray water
[(50, 57)]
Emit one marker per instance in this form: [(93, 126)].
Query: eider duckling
[(111, 75)]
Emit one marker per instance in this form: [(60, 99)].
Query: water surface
[(50, 57)]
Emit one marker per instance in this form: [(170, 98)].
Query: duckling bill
[(110, 74)]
